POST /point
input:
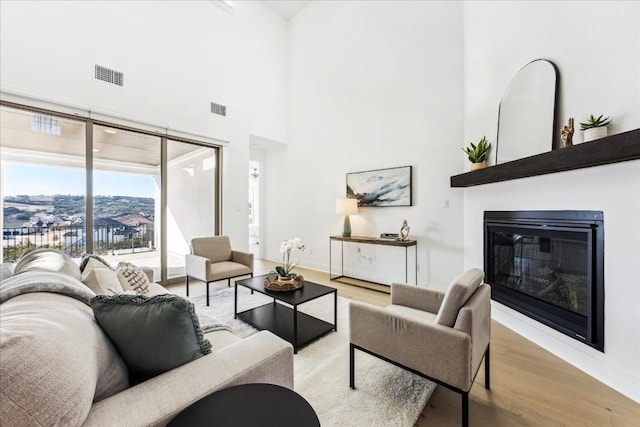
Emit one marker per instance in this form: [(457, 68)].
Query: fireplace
[(549, 265)]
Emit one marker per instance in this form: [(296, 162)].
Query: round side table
[(249, 405)]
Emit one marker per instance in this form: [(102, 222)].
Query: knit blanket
[(44, 281), (63, 284)]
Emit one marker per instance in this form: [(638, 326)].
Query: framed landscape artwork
[(381, 187)]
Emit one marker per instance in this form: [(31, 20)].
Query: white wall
[(594, 44), (500, 37), (176, 56), (372, 85)]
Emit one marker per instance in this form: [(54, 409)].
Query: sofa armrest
[(149, 272), (416, 297), (436, 350), (244, 258), (197, 267), (259, 358)]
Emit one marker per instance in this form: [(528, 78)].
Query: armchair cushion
[(416, 297), (459, 291), (215, 248), (225, 269)]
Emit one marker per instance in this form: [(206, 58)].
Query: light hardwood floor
[(529, 385)]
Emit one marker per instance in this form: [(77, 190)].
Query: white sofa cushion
[(56, 361)]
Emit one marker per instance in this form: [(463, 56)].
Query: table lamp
[(346, 207)]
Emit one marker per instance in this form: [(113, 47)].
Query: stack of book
[(389, 236)]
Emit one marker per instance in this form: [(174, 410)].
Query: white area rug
[(385, 395)]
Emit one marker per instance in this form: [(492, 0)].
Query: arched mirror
[(527, 112)]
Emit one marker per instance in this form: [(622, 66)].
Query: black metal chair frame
[(228, 279), (464, 394)]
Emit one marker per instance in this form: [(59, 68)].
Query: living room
[(348, 86)]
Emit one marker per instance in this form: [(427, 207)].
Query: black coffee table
[(287, 322), (257, 405)]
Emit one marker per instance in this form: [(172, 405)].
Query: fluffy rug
[(384, 396)]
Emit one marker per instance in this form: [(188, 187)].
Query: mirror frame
[(554, 136)]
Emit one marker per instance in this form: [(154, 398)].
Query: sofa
[(59, 367)]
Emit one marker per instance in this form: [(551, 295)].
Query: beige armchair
[(212, 259), (440, 336)]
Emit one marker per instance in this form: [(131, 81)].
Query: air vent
[(218, 109), (108, 75)]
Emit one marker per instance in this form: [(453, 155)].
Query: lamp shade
[(346, 206)]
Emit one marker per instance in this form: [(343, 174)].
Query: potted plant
[(595, 128), (477, 153)]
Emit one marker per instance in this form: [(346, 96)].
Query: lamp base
[(346, 231)]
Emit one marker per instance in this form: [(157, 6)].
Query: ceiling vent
[(108, 75), (218, 109)]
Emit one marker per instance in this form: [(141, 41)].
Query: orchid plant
[(286, 247)]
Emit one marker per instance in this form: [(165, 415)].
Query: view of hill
[(104, 206)]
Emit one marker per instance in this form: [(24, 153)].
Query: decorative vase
[(476, 166), (595, 133)]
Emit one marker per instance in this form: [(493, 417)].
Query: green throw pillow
[(86, 257), (152, 334)]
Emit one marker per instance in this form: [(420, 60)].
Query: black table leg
[(235, 303), (335, 311), (295, 329)]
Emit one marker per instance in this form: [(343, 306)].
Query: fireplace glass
[(548, 265)]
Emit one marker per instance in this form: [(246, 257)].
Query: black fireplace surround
[(549, 265)]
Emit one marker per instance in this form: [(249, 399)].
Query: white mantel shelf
[(621, 147)]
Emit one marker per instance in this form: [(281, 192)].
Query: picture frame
[(381, 187)]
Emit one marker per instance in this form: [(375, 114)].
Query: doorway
[(254, 208)]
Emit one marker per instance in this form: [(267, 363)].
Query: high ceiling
[(287, 8)]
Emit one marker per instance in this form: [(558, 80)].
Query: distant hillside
[(104, 206)]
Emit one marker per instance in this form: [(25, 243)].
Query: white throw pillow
[(100, 278), (132, 278)]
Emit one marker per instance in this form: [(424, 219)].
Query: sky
[(18, 178)]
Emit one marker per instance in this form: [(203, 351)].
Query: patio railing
[(71, 239)]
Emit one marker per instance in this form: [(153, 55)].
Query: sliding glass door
[(43, 172), (191, 199), (126, 196), (63, 175)]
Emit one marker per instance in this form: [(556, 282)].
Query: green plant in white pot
[(477, 153), (595, 127)]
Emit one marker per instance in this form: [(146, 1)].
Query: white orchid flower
[(285, 250)]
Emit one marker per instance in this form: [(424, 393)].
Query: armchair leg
[(465, 409), (207, 294), (351, 366), (228, 283), (187, 285), (487, 363)]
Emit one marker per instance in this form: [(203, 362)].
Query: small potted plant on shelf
[(595, 128), (477, 153)]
